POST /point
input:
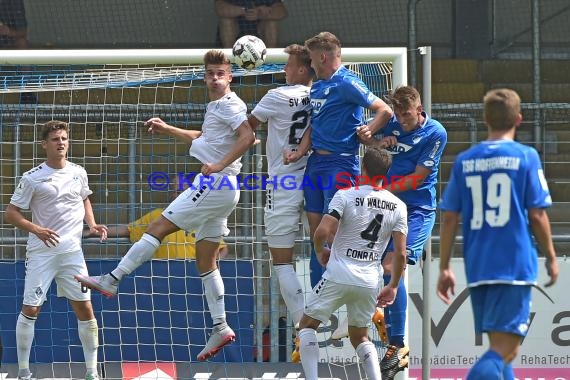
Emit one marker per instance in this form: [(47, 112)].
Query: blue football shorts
[(501, 308)]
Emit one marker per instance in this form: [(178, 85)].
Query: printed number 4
[(371, 232), (497, 208)]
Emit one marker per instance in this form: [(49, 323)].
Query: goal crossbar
[(396, 55)]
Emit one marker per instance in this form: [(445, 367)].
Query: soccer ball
[(249, 52)]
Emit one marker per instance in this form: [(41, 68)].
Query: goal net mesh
[(160, 314)]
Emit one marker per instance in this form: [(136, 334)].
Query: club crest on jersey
[(417, 139), (317, 104), (399, 148), (396, 133)]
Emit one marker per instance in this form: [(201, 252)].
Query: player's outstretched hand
[(99, 230), (49, 237), (156, 125), (387, 296), (552, 270), (446, 285)]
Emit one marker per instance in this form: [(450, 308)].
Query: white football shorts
[(43, 268), (205, 206), (283, 210), (328, 296)]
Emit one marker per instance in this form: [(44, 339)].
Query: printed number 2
[(300, 120), (371, 232), (497, 208)]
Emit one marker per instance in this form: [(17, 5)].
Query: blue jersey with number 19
[(337, 111), (493, 185)]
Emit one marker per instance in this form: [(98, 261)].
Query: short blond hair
[(325, 41), (502, 107), (404, 97)]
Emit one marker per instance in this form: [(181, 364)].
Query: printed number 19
[(496, 209)]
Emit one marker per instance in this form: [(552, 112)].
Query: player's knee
[(30, 311)]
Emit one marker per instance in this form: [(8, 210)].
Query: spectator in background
[(14, 35), (13, 25), (178, 245), (256, 17)]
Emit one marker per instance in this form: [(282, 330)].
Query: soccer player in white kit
[(360, 222), (56, 192), (286, 111), (205, 206)]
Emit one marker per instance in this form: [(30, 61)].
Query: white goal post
[(396, 55)]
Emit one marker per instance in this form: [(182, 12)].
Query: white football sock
[(368, 356), (24, 338), (89, 336), (309, 350), (215, 291), (291, 290), (139, 253)]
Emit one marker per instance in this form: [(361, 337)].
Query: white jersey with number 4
[(55, 197), (367, 219), (222, 118), (286, 110)]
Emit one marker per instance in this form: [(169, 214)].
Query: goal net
[(159, 321)]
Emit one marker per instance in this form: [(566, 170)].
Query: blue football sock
[(395, 314), (315, 269), (488, 367)]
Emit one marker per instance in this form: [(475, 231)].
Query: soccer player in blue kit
[(498, 190), (338, 99), (416, 142)]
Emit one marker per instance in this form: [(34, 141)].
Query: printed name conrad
[(340, 181)]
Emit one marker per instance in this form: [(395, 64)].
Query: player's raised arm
[(383, 114), (158, 126)]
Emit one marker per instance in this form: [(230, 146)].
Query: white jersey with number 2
[(287, 111)]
